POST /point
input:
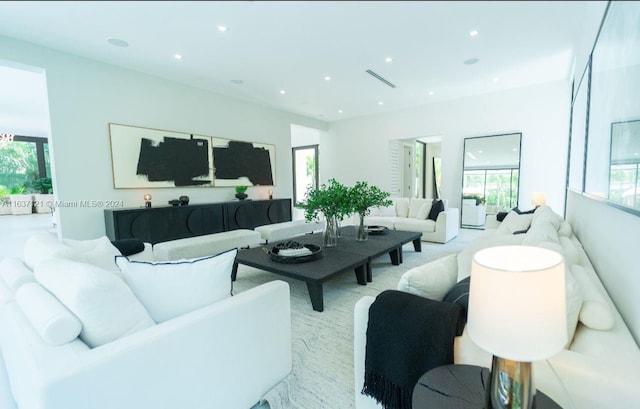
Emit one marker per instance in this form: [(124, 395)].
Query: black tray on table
[(316, 253), (376, 230)]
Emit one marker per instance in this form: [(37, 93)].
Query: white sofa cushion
[(103, 303), (540, 233), (595, 312), (98, 252), (574, 303), (408, 224), (431, 280), (169, 289), (515, 222), (423, 212), (388, 211), (55, 324), (402, 206), (15, 273), (41, 247)]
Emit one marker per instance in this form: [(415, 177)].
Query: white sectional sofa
[(71, 335), (412, 215), (598, 369)]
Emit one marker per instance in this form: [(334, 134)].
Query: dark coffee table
[(347, 255)]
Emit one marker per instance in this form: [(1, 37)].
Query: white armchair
[(472, 214)]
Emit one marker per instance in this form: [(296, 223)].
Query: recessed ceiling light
[(238, 82), (471, 61), (283, 91), (431, 92), (473, 33), (177, 56), (480, 151), (340, 111), (222, 29), (380, 103), (388, 59), (327, 78), (117, 42), (496, 79)]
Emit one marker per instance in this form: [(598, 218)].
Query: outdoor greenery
[(336, 200)]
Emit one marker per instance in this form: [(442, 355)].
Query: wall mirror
[(490, 177), (613, 133)]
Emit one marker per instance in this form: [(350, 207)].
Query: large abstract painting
[(144, 158)]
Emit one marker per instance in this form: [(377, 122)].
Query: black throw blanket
[(407, 335)]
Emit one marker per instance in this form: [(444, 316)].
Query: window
[(305, 171), (24, 160)]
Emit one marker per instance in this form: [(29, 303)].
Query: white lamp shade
[(517, 302), (538, 198)]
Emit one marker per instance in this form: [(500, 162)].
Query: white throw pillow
[(595, 313), (574, 303), (98, 252), (432, 280), (103, 303), (388, 211), (15, 273), (41, 247), (570, 251), (402, 206), (170, 289), (515, 222), (565, 229), (55, 324), (423, 212)]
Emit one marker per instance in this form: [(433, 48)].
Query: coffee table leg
[(369, 273), (417, 245), (234, 272), (361, 274), (316, 295), (396, 256)]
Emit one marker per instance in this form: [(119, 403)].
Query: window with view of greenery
[(498, 187), (22, 162)]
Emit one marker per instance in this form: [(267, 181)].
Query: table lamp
[(517, 311), (147, 200), (538, 199)]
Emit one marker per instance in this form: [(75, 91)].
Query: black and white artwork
[(146, 158), (242, 163)]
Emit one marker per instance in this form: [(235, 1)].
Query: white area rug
[(322, 342)]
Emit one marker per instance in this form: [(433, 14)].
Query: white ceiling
[(292, 45)]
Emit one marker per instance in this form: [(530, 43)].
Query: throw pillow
[(170, 289), (103, 303), (389, 211), (436, 207), (514, 222), (41, 247), (459, 294), (500, 216), (431, 280), (595, 313), (98, 252), (55, 324), (15, 273), (574, 301), (565, 229), (515, 209), (423, 213), (128, 247), (402, 206)]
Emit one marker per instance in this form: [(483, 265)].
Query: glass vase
[(331, 232), (361, 232)]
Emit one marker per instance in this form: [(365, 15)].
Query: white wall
[(356, 149), (85, 96)]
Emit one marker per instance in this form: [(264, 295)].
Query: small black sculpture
[(184, 200)]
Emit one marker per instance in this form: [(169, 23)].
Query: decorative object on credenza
[(294, 252), (184, 200), (240, 192), (270, 194), (362, 197), (517, 311), (147, 200), (174, 202)]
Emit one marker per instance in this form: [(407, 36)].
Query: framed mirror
[(490, 177), (613, 133)]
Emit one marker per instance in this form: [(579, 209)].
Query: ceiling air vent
[(374, 75)]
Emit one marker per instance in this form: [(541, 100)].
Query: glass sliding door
[(305, 171)]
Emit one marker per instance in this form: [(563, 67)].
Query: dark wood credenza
[(164, 223)]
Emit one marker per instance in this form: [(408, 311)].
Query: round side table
[(461, 387)]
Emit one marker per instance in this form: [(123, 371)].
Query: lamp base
[(511, 385)]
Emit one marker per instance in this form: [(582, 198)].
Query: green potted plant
[(362, 197), (330, 201), (240, 192)]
